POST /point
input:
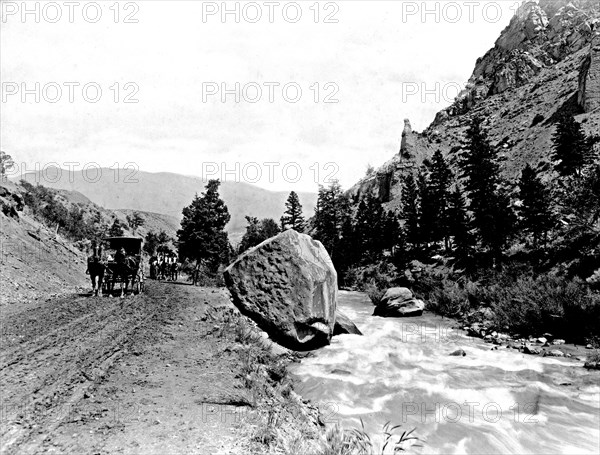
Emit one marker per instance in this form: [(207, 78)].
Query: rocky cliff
[(546, 62)]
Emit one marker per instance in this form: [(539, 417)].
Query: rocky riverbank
[(479, 324)]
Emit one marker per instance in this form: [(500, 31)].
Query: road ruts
[(52, 354)]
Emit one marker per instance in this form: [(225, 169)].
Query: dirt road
[(152, 373)]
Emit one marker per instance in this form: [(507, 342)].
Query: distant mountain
[(167, 193)]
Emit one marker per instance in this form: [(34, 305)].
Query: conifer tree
[(488, 200), (202, 236), (333, 207), (440, 180), (292, 217), (350, 255), (459, 226), (392, 232), (535, 213), (427, 212), (411, 213), (370, 223), (572, 150)]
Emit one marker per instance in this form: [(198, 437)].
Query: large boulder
[(399, 302), (344, 325), (288, 286)]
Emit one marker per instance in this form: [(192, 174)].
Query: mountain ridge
[(167, 193), (544, 63)]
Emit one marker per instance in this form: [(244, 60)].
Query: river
[(489, 401)]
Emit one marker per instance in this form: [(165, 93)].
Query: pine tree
[(333, 207), (427, 214), (202, 236), (488, 200), (292, 217), (411, 213), (349, 255), (535, 213), (572, 150), (370, 224), (392, 232), (440, 180), (459, 226)]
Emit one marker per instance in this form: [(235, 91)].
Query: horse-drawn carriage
[(124, 264)]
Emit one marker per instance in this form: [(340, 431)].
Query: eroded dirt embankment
[(167, 371)]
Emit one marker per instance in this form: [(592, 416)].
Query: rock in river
[(344, 325), (399, 302), (459, 353), (288, 286)]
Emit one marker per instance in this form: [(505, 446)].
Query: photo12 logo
[(71, 92), (253, 172), (431, 93), (255, 92), (54, 172), (454, 12), (469, 411), (71, 12), (271, 12)]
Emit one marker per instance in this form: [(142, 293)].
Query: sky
[(284, 95)]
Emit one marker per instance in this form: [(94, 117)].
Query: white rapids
[(489, 401)]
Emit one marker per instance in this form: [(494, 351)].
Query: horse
[(163, 268), (125, 267), (95, 269), (174, 270), (195, 275), (153, 268)]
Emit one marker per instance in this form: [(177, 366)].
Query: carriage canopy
[(132, 245)]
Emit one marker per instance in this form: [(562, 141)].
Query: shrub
[(375, 293), (593, 361), (527, 304), (448, 299), (357, 441), (381, 275)]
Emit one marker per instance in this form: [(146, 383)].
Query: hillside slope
[(546, 62), (167, 193), (155, 222), (35, 262), (41, 256)]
